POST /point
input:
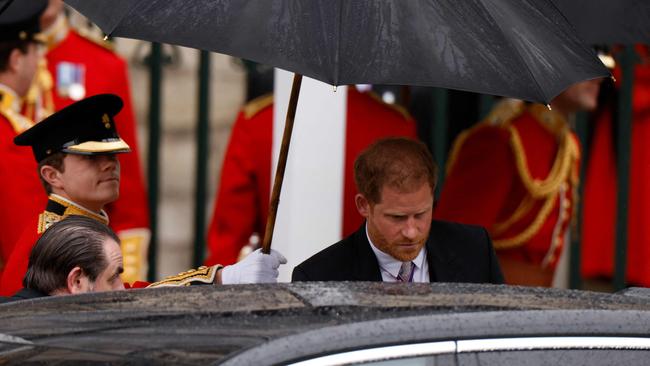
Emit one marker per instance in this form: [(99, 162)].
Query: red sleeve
[(14, 272), (136, 284), (21, 192), (479, 178), (242, 198)]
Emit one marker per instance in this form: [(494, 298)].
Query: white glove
[(255, 268)]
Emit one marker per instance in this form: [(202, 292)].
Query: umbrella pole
[(282, 163)]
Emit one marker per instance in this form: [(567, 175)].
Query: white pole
[(310, 212)]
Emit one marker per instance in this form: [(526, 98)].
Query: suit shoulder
[(336, 250), (327, 261), (257, 105)]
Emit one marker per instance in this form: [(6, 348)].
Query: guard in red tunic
[(599, 218), (21, 193), (516, 174), (242, 201), (75, 150), (76, 66)]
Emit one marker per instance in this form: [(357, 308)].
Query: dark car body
[(308, 322)]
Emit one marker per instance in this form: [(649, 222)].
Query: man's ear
[(52, 176), (363, 206), (77, 282), (15, 59)]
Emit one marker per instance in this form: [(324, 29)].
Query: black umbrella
[(609, 21), (517, 48)]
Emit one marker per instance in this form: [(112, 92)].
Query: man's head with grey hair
[(75, 255)]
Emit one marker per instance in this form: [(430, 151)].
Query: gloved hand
[(255, 268)]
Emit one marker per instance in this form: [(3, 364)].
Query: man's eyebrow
[(118, 272)]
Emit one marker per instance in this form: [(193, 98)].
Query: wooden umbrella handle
[(282, 163)]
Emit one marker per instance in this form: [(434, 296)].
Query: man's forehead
[(389, 191), (112, 250)]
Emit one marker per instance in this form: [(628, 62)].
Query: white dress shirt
[(390, 266)]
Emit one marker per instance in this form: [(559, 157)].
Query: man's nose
[(410, 229), (109, 161)]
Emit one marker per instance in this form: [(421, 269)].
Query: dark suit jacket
[(455, 253), (23, 294)]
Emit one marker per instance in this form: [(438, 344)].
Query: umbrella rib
[(338, 43), (539, 88), (127, 13)]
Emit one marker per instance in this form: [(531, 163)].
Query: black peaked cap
[(85, 127), (21, 19)]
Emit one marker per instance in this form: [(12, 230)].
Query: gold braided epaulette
[(95, 38), (256, 105), (18, 122), (504, 111), (200, 276)]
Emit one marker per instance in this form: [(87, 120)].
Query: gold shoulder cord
[(567, 152), (564, 169), (39, 101)]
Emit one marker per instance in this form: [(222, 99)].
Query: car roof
[(239, 324)]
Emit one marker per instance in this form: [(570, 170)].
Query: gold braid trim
[(10, 109), (524, 207), (39, 101), (455, 150), (256, 105), (530, 231), (200, 276), (47, 218), (566, 155)]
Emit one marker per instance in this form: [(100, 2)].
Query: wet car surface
[(286, 323)]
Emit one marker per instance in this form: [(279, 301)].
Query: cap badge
[(106, 121)]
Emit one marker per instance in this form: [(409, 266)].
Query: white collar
[(392, 265)]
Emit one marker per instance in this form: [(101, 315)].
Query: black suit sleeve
[(299, 275), (496, 276)]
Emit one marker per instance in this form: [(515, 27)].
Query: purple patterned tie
[(406, 272)]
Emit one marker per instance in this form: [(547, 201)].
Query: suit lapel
[(367, 267), (441, 257)]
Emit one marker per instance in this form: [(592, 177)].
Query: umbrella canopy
[(516, 48), (609, 21)]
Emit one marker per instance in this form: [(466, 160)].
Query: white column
[(310, 213)]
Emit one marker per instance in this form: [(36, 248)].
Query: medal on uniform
[(71, 80)]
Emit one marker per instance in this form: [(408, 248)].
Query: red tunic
[(21, 192), (242, 201), (515, 177), (599, 220)]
